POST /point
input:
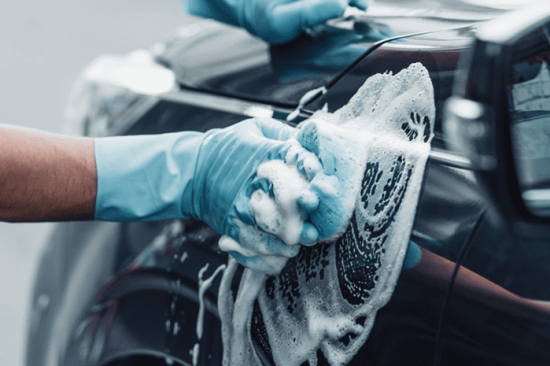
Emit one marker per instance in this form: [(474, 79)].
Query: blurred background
[(43, 46)]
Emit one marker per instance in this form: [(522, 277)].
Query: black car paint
[(111, 293)]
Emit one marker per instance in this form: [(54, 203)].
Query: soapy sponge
[(343, 156)]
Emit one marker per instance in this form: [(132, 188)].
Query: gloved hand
[(275, 21), (210, 176), (342, 154)]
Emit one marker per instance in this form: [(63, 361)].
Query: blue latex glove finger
[(309, 235), (413, 256), (284, 208), (308, 201), (306, 162), (274, 130)]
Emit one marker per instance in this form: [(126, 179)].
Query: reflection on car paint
[(148, 256)]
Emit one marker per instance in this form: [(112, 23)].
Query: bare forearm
[(46, 177)]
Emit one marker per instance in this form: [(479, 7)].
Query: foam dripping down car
[(147, 293)]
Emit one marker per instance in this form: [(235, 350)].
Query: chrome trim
[(414, 47), (224, 104), (466, 130), (253, 109), (380, 9), (537, 201), (451, 159), (386, 42)]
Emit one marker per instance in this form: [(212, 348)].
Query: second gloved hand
[(275, 21)]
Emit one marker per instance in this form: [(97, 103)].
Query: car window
[(529, 105)]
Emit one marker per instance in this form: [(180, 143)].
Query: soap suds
[(266, 253), (326, 298), (334, 185), (195, 353), (204, 285), (236, 315), (280, 215)]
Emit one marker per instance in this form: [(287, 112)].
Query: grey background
[(43, 46)]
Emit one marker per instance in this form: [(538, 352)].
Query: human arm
[(223, 178), (437, 271), (49, 177), (45, 177), (209, 176)]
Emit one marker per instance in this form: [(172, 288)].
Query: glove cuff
[(144, 178), (224, 11)]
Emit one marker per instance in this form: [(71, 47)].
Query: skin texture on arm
[(438, 271), (46, 177)]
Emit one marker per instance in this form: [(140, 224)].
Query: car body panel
[(108, 291)]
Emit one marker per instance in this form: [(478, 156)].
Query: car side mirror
[(499, 116)]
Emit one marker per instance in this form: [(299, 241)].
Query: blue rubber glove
[(275, 21), (209, 176), (342, 155), (413, 256)]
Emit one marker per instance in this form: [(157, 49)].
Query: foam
[(266, 253), (339, 182), (280, 214), (329, 169), (204, 285), (326, 299), (236, 316)]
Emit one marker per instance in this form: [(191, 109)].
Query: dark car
[(139, 293)]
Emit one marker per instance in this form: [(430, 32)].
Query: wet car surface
[(127, 293)]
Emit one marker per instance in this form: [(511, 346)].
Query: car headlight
[(113, 91)]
